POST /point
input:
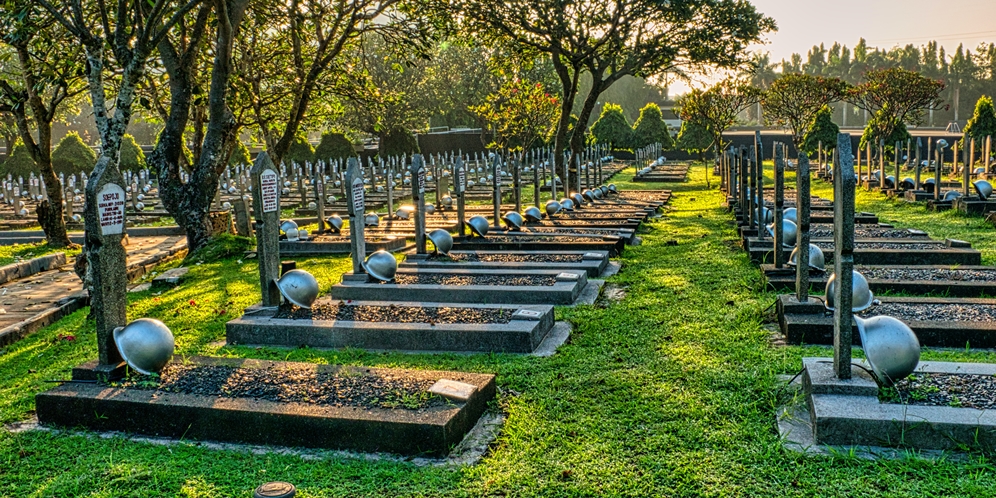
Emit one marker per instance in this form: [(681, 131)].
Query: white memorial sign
[(111, 209), (269, 190), (358, 201)]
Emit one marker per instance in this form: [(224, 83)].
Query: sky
[(883, 23)]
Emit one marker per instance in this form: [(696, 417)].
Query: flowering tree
[(520, 114)]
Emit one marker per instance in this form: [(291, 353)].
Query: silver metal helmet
[(441, 240), (371, 220), (604, 190), (612, 188), (789, 231), (588, 194), (513, 220), (942, 144), (303, 234), (567, 204), (533, 214), (381, 265), (890, 181), (447, 200), (335, 223), (552, 207), (145, 344), (404, 212), (578, 199), (891, 348), (598, 193), (907, 184), (983, 188), (816, 259), (791, 214), (298, 287), (429, 208), (951, 195), (289, 227), (861, 294), (479, 225)]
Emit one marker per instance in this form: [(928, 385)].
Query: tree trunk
[(569, 84)]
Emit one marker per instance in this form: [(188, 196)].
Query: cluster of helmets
[(292, 232)]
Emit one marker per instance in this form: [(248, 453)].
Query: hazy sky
[(884, 23)]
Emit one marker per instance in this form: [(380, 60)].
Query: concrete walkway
[(33, 302)]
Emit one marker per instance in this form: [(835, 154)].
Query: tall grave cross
[(105, 231), (355, 206), (496, 175), (418, 197), (843, 259), (802, 204), (266, 209), (460, 171)]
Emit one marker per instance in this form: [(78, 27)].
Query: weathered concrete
[(594, 262)]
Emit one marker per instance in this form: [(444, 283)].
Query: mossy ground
[(670, 392)]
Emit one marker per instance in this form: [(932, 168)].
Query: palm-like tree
[(761, 74)]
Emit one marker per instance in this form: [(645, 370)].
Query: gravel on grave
[(871, 233), (290, 384), (573, 229), (907, 274), (506, 258), (538, 238), (935, 312), (444, 279), (396, 314), (925, 246), (957, 390)]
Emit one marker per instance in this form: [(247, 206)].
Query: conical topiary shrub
[(18, 163), (132, 157), (73, 156)]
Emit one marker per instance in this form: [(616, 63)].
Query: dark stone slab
[(593, 262), (528, 327), (429, 431), (170, 278), (781, 280), (317, 248), (815, 326), (943, 255), (611, 243)]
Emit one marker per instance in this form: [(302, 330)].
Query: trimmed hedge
[(18, 163), (334, 146), (72, 156), (132, 158)]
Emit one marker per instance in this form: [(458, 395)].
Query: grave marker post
[(802, 205), (752, 192), (843, 261), (266, 208), (355, 207), (418, 196), (916, 167), (967, 176), (899, 152), (881, 164), (106, 255), (461, 186), (496, 182), (320, 201), (779, 154), (536, 181), (937, 173)]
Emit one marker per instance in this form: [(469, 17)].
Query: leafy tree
[(396, 141), (72, 156), (716, 108), (982, 124), (651, 128), (520, 114), (821, 130), (18, 163), (613, 128), (132, 157), (48, 78), (895, 97), (300, 151), (334, 146), (793, 100), (240, 155), (694, 139), (883, 120)]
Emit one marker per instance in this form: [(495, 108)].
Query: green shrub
[(132, 158), (612, 128), (397, 141), (873, 132), (72, 156), (18, 163), (650, 128), (693, 138), (300, 152), (240, 154), (334, 146), (822, 129), (983, 122)]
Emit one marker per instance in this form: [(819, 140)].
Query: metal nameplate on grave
[(592, 255), (461, 178), (567, 276), (523, 314), (421, 180), (111, 209), (269, 190), (358, 205)]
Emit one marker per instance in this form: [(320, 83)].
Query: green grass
[(21, 252), (670, 392)]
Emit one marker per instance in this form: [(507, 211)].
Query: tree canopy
[(650, 128), (612, 128), (793, 100)]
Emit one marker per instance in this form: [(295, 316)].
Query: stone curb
[(30, 267)]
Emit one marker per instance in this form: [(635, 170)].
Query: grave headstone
[(418, 196), (779, 153), (461, 187), (266, 208), (843, 263), (242, 226), (496, 182), (802, 208), (356, 207), (106, 255)]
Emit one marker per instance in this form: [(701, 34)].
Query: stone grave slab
[(428, 430), (321, 245), (592, 262), (541, 242), (405, 326)]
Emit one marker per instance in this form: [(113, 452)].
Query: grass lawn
[(22, 252), (670, 392)]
